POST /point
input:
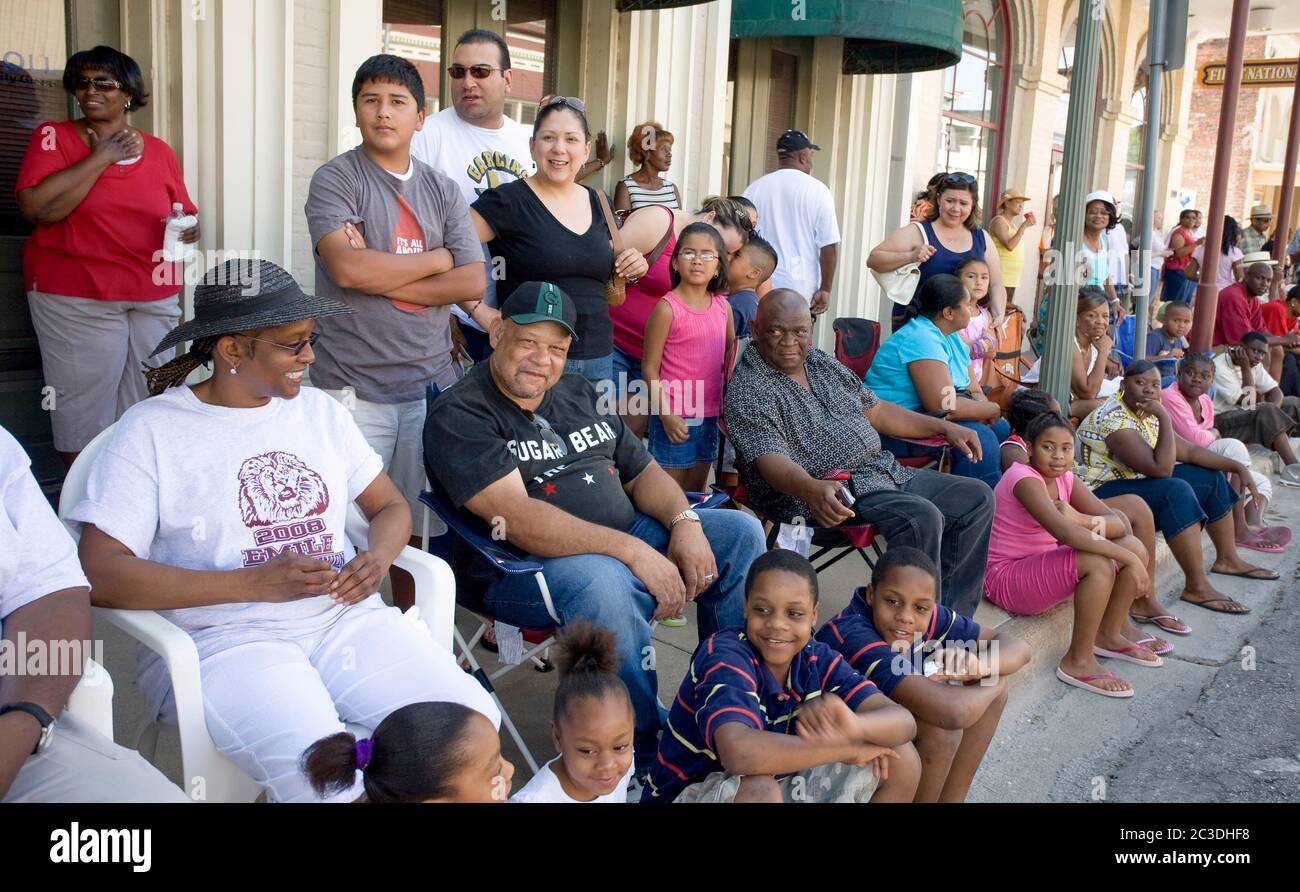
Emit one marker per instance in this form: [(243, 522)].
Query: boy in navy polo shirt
[(896, 623), (737, 734)]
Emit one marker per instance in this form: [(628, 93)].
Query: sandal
[(1168, 626), (1129, 654), (1160, 651), (1084, 682), (1259, 543), (1206, 604), (1253, 573), (1276, 535)]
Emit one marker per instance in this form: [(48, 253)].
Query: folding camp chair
[(204, 769), (856, 343)]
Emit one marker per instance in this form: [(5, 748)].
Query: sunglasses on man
[(480, 72)]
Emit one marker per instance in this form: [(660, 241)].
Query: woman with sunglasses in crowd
[(224, 505), (99, 194), (550, 228), (948, 235)]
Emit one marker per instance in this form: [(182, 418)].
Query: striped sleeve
[(726, 689), (839, 678)]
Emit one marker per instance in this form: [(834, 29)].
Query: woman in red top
[(1182, 242), (99, 194)]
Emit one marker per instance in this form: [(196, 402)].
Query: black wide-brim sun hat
[(244, 295)]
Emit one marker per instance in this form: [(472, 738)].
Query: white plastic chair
[(203, 767), (92, 699)]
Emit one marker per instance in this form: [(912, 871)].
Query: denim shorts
[(1192, 495), (702, 444), (625, 370)]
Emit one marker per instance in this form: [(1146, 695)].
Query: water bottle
[(173, 248)]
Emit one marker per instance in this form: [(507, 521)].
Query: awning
[(880, 36), (641, 5)]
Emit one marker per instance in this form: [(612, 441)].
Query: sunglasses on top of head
[(480, 72), (959, 180), (572, 102)]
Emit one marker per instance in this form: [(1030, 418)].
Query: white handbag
[(900, 284)]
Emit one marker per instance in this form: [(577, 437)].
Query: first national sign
[(1254, 73)]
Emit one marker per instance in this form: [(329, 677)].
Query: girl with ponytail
[(592, 724), (423, 752)]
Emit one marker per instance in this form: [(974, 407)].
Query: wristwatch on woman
[(36, 712)]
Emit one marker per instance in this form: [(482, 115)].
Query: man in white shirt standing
[(797, 216), (475, 143)]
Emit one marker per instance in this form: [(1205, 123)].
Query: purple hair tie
[(364, 750)]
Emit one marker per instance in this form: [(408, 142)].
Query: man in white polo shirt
[(796, 214), (474, 143)]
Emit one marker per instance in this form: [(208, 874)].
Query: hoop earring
[(128, 104)]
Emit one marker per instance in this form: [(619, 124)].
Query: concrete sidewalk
[(1052, 739)]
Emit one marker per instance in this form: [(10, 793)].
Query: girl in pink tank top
[(686, 339)]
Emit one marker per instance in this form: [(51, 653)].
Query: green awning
[(641, 5), (880, 36)]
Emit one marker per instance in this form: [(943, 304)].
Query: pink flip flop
[(1259, 543), (1128, 653), (1167, 649), (1082, 682), (1276, 535)]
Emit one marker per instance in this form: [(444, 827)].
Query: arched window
[(975, 97)]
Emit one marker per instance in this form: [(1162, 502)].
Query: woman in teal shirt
[(925, 367)]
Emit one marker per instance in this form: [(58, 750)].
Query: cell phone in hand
[(845, 497)]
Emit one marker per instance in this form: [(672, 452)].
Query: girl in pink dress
[(686, 338), (979, 334), (1053, 540)]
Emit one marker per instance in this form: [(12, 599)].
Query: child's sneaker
[(1290, 475), (676, 622)]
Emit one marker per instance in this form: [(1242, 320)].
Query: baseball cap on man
[(793, 141), (540, 302)]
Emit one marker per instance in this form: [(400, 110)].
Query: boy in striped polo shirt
[(897, 634), (737, 734)]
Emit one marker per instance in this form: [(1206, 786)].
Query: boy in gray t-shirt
[(393, 240)]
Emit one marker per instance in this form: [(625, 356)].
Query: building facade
[(254, 95)]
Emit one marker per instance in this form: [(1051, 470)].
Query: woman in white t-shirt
[(592, 724), (1229, 257), (224, 504)]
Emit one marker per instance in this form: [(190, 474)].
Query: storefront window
[(1133, 161), (974, 97), (413, 30)]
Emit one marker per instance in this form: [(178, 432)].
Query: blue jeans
[(988, 468), (1193, 495), (595, 369), (602, 589), (1177, 287)]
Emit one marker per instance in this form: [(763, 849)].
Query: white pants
[(82, 765), (1237, 451), (268, 701), (396, 432)]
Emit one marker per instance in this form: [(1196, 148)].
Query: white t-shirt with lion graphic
[(206, 487)]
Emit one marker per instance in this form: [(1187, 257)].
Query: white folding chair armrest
[(92, 699), (435, 592), (201, 762)]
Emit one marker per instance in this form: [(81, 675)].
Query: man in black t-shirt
[(524, 447)]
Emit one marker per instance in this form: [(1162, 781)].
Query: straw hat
[(1258, 257), (1261, 210), (1011, 195), (244, 294)]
